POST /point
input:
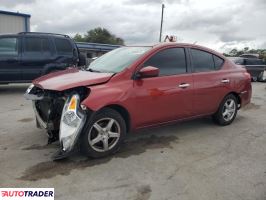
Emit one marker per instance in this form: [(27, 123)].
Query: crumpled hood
[(71, 78)]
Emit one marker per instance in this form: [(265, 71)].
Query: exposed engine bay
[(60, 114)]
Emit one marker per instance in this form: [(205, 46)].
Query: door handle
[(184, 85), (225, 81)]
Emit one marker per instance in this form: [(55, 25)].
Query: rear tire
[(82, 60), (254, 79), (227, 111), (260, 77), (103, 134)]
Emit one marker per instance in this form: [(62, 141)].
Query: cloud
[(229, 37), (14, 3), (155, 2), (216, 24)]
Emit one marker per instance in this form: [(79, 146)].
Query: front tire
[(103, 134), (227, 111)]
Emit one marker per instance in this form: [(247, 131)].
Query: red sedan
[(136, 87)]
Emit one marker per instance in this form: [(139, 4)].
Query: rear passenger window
[(8, 46), (35, 45), (218, 62), (202, 61), (169, 61), (63, 46)]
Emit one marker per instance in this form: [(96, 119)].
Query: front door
[(10, 70), (167, 97)]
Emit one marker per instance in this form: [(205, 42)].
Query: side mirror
[(148, 72)]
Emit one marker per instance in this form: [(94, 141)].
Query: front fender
[(103, 95), (110, 93)]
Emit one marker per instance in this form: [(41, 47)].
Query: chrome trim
[(184, 85), (225, 81)]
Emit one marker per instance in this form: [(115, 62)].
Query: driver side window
[(169, 61)]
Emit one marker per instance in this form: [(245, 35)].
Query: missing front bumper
[(60, 115)]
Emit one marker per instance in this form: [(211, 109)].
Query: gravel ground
[(190, 160)]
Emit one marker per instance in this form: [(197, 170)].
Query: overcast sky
[(218, 24)]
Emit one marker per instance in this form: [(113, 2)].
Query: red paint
[(157, 100), (70, 78)]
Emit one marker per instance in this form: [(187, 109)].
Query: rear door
[(210, 82), (36, 53), (10, 70), (166, 97)]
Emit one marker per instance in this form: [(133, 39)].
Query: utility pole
[(160, 38)]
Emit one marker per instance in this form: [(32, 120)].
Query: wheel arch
[(123, 112), (237, 97)]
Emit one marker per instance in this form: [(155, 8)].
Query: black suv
[(256, 67), (28, 55)]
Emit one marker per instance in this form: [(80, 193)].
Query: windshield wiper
[(93, 70)]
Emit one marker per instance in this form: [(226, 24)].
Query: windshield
[(117, 60)]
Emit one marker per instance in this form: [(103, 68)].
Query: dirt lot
[(190, 160)]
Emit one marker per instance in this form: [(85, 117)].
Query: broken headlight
[(29, 88), (72, 121)]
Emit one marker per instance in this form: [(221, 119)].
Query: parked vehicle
[(256, 67), (250, 55), (137, 87), (28, 55)]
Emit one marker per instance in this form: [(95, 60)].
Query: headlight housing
[(29, 88), (72, 122)]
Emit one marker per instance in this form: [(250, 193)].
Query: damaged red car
[(136, 87)]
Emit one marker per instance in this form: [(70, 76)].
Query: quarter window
[(8, 46), (63, 46), (169, 61), (202, 61)]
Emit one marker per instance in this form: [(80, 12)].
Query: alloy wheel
[(104, 134), (229, 109)]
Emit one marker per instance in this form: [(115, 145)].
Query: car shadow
[(161, 138)]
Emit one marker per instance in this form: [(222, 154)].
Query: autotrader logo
[(26, 193)]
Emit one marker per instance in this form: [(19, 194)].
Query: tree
[(99, 35), (233, 52), (236, 52), (79, 38)]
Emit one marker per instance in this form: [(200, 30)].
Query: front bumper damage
[(60, 114)]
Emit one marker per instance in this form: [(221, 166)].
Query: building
[(12, 22), (92, 50)]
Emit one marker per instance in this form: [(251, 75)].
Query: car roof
[(162, 44), (172, 44), (9, 34), (35, 34), (234, 57)]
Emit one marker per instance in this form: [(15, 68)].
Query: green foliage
[(99, 35), (235, 52), (79, 38)]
